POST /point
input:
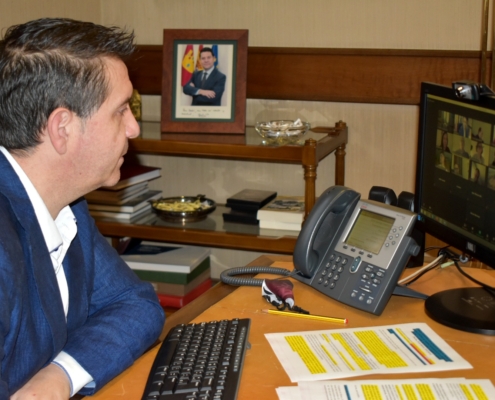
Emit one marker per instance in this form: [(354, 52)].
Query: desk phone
[(354, 250)]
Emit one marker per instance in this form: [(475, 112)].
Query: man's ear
[(59, 126)]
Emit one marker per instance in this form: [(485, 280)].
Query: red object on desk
[(181, 301)]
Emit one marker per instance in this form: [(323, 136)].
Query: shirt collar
[(208, 71), (54, 231)]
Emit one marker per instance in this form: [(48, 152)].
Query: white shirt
[(58, 235)]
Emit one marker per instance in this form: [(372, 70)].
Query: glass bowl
[(281, 132)]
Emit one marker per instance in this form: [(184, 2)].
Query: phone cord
[(227, 276)]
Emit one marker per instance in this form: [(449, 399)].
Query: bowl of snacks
[(183, 208), (281, 132)]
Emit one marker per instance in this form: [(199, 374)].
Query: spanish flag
[(187, 64), (199, 67)]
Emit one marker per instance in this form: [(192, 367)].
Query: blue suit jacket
[(112, 319), (216, 82)]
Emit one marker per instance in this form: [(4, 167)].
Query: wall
[(421, 24), (17, 11), (382, 138)]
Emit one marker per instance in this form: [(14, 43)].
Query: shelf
[(308, 152), (251, 149), (210, 232), (213, 232)]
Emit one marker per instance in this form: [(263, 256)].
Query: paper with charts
[(390, 389), (343, 353)]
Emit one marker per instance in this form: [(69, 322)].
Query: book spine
[(281, 216), (181, 301), (173, 277), (174, 289), (286, 226)]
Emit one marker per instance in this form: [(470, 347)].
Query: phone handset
[(322, 227)]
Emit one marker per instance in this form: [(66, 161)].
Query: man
[(72, 314), (463, 127), (461, 150), (478, 155), (206, 86)]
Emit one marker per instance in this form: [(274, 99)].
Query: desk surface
[(261, 382)]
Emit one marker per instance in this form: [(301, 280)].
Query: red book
[(131, 174), (181, 301)]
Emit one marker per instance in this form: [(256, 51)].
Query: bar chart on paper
[(344, 353)]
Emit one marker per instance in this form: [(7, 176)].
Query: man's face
[(103, 139), (207, 60)]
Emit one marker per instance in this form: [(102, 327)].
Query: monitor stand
[(466, 309), (405, 291)]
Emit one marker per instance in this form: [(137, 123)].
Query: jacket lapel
[(39, 266), (75, 274)]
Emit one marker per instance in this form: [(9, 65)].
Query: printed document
[(408, 389), (343, 353)]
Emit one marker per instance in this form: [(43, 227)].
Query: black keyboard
[(199, 362)]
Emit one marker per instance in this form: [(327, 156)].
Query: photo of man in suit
[(73, 315), (206, 86)]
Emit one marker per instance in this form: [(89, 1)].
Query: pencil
[(306, 316)]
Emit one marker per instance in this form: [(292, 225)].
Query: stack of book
[(178, 274), (130, 199), (284, 213), (244, 205)]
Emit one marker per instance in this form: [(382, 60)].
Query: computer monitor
[(455, 194)]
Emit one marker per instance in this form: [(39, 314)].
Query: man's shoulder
[(219, 74)]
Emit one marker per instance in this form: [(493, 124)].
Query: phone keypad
[(330, 274)]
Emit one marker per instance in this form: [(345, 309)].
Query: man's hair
[(50, 63), (207, 49)]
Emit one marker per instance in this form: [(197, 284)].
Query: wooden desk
[(262, 371)]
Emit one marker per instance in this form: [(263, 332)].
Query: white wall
[(17, 11)]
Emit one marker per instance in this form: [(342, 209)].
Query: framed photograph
[(204, 81)]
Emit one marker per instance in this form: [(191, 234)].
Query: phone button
[(355, 264)]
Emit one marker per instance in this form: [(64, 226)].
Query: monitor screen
[(455, 176)]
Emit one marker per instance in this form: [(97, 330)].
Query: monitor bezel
[(425, 224)]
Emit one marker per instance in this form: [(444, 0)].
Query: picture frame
[(215, 108)]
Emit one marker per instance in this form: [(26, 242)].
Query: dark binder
[(250, 200)]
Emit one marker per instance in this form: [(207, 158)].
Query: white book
[(171, 259), (121, 216), (286, 226), (131, 206), (103, 196), (288, 209)]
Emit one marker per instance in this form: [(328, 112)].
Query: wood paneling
[(337, 75), (145, 69)]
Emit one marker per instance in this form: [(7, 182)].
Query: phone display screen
[(369, 232)]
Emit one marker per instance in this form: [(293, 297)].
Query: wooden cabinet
[(212, 231)]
